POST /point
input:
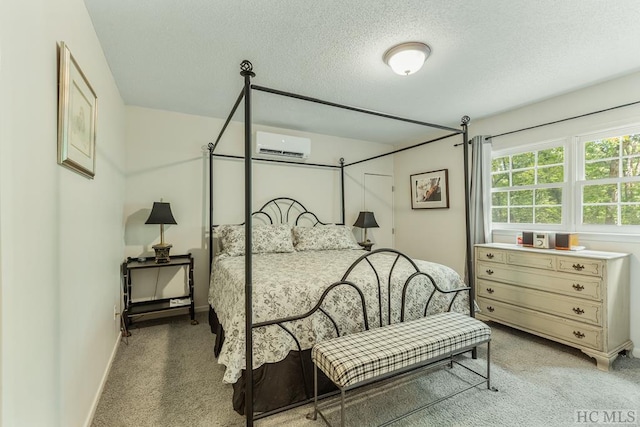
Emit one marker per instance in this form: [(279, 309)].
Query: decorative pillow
[(324, 237), (266, 239)]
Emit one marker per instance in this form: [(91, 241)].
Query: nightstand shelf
[(143, 307), (134, 309)]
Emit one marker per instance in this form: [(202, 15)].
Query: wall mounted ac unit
[(293, 147)]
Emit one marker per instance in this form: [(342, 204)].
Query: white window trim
[(580, 182), (572, 213), (565, 185)]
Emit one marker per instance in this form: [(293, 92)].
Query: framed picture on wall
[(430, 190), (77, 114)]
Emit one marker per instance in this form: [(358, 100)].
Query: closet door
[(378, 198)]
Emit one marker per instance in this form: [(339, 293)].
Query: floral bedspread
[(288, 284)]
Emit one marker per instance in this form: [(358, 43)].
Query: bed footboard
[(384, 289)]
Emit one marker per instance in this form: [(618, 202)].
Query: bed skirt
[(275, 385)]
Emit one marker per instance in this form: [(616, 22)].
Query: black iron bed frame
[(247, 72)]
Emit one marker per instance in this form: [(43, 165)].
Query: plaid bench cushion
[(351, 359)]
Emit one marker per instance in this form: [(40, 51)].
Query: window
[(535, 186), (528, 187), (608, 184)]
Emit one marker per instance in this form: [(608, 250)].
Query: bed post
[(344, 220), (211, 147), (467, 210), (247, 72)]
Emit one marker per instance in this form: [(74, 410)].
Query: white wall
[(438, 155), (60, 233), (166, 159), (437, 235)]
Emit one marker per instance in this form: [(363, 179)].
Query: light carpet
[(167, 376)]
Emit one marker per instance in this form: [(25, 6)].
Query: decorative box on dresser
[(578, 298)]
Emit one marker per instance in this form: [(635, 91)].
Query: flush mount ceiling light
[(406, 58)]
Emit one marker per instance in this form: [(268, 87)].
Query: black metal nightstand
[(134, 309)]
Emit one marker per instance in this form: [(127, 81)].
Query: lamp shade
[(366, 220), (407, 58), (161, 214)]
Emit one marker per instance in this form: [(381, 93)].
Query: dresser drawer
[(565, 284), (590, 267), (545, 324), (490, 255), (571, 308), (533, 260)]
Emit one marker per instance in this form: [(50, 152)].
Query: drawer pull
[(490, 255), (578, 334), (578, 310), (489, 272), (490, 290), (578, 267), (577, 286), (491, 310)]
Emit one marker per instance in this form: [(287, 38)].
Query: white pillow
[(265, 239), (324, 237)]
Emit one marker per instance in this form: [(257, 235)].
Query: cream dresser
[(578, 298)]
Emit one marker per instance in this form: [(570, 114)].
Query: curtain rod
[(564, 120), (559, 121)]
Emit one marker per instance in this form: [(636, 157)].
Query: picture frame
[(77, 116), (430, 190)]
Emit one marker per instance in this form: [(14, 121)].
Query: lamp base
[(162, 253), (366, 245)]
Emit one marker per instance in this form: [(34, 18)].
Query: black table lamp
[(161, 214), (366, 220)]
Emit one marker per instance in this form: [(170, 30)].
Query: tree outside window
[(527, 187), (611, 192)]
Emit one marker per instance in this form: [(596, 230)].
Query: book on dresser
[(578, 298)]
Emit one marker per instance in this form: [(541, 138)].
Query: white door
[(378, 198)]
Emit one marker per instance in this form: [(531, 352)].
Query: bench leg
[(489, 365), (315, 392), (342, 424)]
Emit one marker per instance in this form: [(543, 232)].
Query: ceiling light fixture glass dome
[(407, 58)]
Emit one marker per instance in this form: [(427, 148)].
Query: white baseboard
[(202, 308), (636, 352), (96, 398)]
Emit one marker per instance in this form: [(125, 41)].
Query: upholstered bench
[(361, 358)]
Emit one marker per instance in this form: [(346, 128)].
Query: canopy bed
[(285, 280)]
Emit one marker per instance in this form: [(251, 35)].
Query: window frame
[(566, 188), (573, 186), (580, 180)]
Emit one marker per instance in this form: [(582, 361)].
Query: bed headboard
[(285, 210), (281, 210)]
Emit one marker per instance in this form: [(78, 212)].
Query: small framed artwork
[(430, 190), (77, 114)]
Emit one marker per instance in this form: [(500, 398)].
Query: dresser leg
[(604, 363), (605, 360)]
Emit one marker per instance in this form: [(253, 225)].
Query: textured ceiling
[(487, 56)]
